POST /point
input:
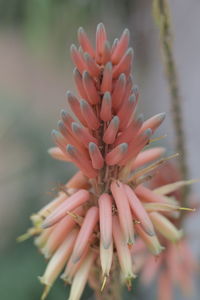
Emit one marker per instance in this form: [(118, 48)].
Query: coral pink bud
[(92, 67), (114, 45), (165, 227), (89, 115), (82, 134), (126, 111), (136, 146), (123, 252), (96, 156), (151, 242), (57, 153), (57, 262), (85, 42), (106, 255), (105, 219), (59, 233), (130, 132), (124, 65), (106, 53), (78, 181), (124, 211), (118, 92), (70, 138), (121, 46), (72, 268), (153, 122), (67, 119), (85, 233), (128, 90), (101, 37), (116, 155), (81, 277), (148, 156), (106, 108), (91, 91), (59, 140), (68, 205), (106, 85), (112, 130), (79, 84), (75, 107), (139, 211), (81, 161), (77, 59)]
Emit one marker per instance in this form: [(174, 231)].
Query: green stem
[(163, 21)]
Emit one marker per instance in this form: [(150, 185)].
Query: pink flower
[(176, 265), (104, 205)]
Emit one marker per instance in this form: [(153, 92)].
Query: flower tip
[(136, 89), (70, 149), (75, 126), (69, 96), (162, 116), (122, 77), (100, 26), (60, 124), (126, 32), (92, 147), (73, 48), (132, 98), (106, 243), (108, 66), (86, 75), (81, 30), (107, 96), (116, 121), (140, 118), (148, 132), (123, 147), (63, 113), (130, 52), (83, 103)]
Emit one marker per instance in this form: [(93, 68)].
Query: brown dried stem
[(163, 21)]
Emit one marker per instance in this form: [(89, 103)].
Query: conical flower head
[(105, 139)]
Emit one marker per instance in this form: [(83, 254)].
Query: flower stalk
[(162, 18), (90, 230)]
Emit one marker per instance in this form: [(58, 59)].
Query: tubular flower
[(175, 266), (105, 204)]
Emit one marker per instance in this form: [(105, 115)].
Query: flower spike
[(108, 215)]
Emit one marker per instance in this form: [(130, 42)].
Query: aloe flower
[(176, 266), (105, 205)]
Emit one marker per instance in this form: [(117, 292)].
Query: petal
[(124, 212)]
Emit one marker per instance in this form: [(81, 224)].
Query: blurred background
[(36, 71)]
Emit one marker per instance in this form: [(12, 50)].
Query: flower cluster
[(105, 205)]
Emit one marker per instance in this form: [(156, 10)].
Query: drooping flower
[(105, 205)]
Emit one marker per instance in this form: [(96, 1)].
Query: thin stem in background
[(163, 21)]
